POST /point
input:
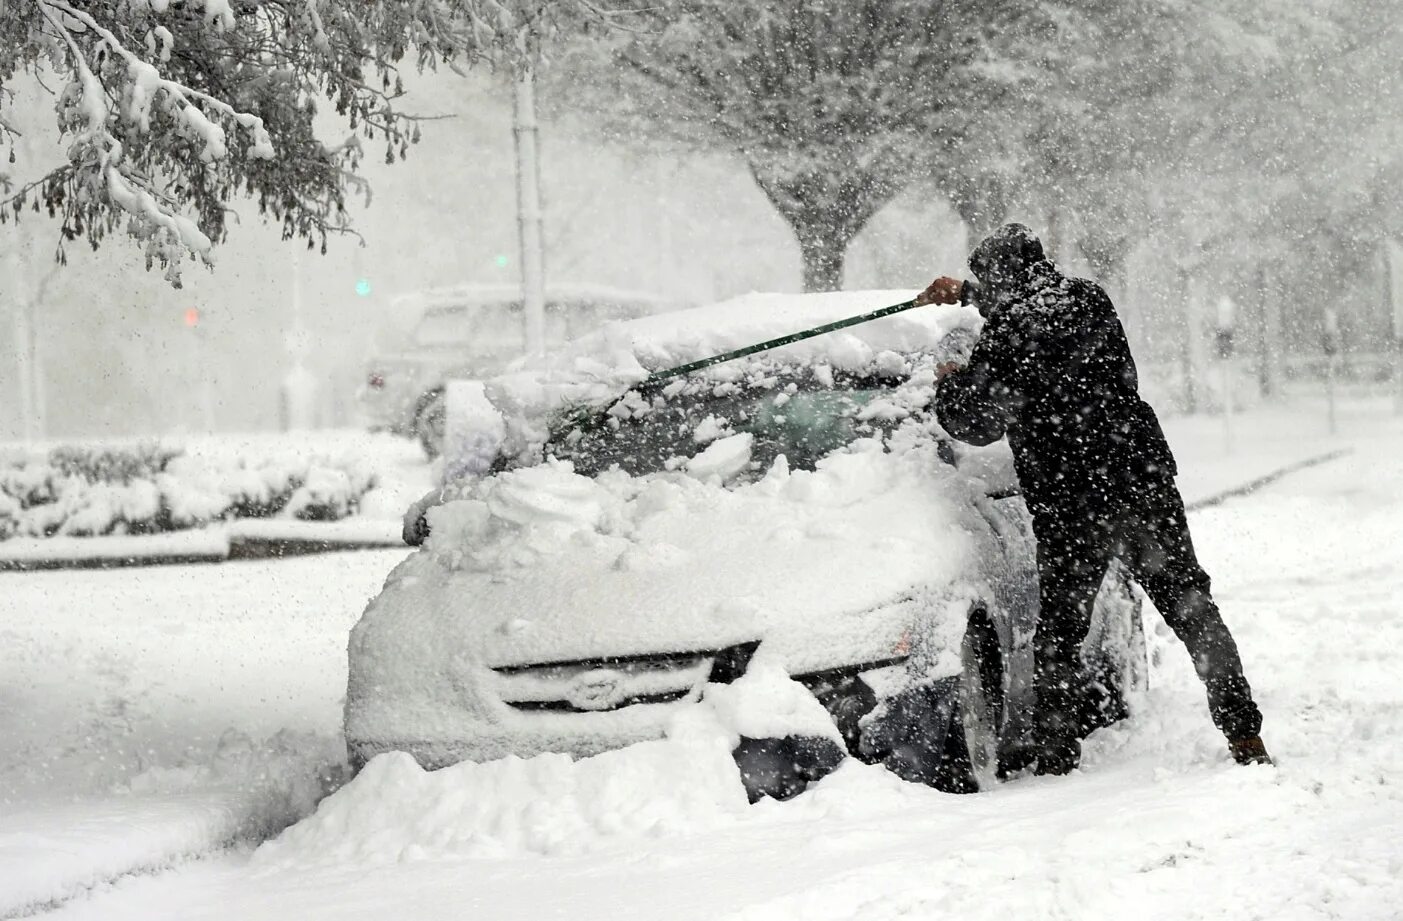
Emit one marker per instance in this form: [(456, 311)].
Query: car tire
[(945, 733), (430, 420)]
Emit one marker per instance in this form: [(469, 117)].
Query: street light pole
[(1331, 344), (1227, 317), (528, 198), (1393, 298)]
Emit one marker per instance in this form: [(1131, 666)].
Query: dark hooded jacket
[(1052, 370)]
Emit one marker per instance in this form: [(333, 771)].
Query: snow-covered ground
[(155, 713), (149, 713)]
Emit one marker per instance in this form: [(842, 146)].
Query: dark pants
[(1150, 535)]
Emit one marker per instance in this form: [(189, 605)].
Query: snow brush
[(589, 418)]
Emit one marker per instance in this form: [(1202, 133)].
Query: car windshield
[(800, 414)]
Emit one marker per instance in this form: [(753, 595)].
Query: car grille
[(605, 684)]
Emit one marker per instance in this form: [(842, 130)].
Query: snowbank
[(551, 805), (547, 805), (395, 811)]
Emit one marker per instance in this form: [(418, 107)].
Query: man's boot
[(1249, 751)]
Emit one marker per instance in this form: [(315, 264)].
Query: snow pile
[(515, 519), (548, 805), (723, 458), (765, 703)]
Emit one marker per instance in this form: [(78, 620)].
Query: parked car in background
[(476, 331)]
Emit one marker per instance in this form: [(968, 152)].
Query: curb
[(1246, 489), (239, 548)]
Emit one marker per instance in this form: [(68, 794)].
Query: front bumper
[(526, 735)]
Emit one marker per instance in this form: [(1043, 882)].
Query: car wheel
[(430, 422), (945, 733)]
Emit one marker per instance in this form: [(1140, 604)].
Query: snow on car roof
[(665, 340)]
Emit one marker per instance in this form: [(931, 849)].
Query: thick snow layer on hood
[(872, 555), (541, 564)]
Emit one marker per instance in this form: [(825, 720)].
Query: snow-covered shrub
[(9, 515), (110, 508), (82, 492), (109, 465), (328, 494)]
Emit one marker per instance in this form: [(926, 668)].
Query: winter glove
[(944, 290)]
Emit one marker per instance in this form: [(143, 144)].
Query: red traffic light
[(192, 317)]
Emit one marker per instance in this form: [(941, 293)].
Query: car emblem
[(599, 689)]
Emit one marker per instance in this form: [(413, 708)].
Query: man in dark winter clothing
[(1052, 370)]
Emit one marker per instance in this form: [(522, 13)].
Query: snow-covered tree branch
[(172, 108), (169, 108)]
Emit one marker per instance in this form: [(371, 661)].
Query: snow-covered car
[(475, 331), (800, 511)]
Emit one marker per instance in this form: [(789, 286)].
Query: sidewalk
[(1265, 439)]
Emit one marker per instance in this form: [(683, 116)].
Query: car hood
[(825, 567)]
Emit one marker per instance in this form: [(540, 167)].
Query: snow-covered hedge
[(81, 492)]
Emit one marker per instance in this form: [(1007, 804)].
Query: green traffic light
[(363, 287), (502, 261)]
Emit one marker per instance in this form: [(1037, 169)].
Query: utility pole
[(526, 130), (1393, 304), (1224, 340), (23, 306), (1193, 354), (299, 386), (1330, 345), (1269, 372), (26, 296)]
